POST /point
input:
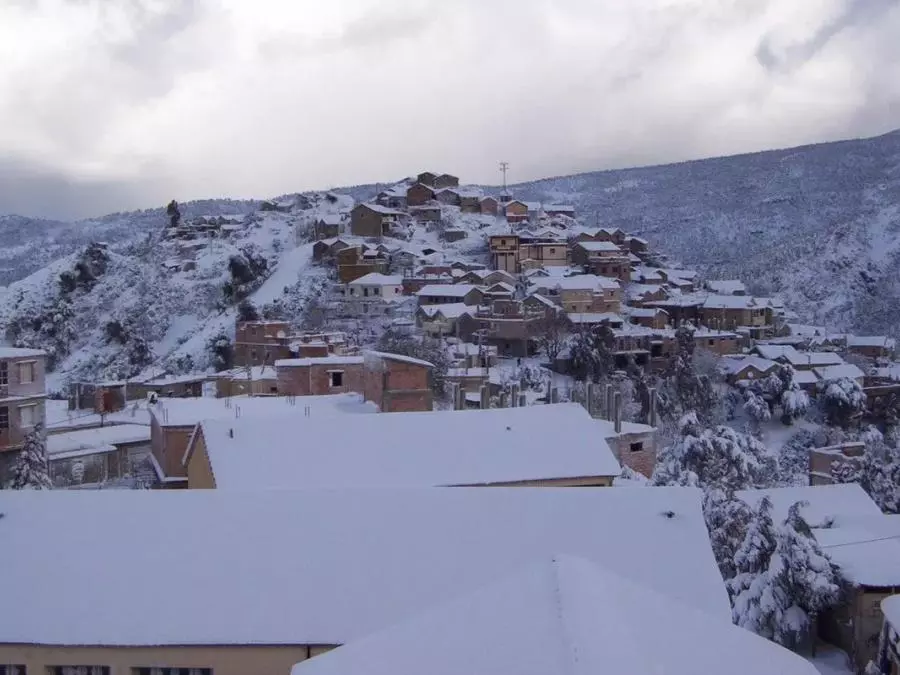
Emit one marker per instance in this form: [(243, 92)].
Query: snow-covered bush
[(31, 469), (842, 401)]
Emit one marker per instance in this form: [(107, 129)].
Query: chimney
[(617, 412), (651, 407), (608, 409)]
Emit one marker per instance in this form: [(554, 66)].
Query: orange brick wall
[(314, 380), (400, 387)]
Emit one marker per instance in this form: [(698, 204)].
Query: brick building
[(397, 383)]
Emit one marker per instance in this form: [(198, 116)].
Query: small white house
[(374, 287)]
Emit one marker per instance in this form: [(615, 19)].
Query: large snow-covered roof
[(871, 341), (450, 310), (735, 364), (839, 371), (177, 412), (774, 352), (331, 360), (598, 246), (317, 566), (560, 615), (85, 439), (578, 282), (446, 290), (726, 286), (825, 502), (415, 449), (20, 353), (813, 359), (377, 279)]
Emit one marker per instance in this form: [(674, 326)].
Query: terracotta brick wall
[(315, 380), (400, 387), (641, 461)]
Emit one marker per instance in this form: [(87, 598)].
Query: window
[(637, 447), (4, 418), (712, 342), (552, 250), (171, 671), (4, 373), (376, 290), (12, 670), (78, 670), (337, 378), (28, 416), (26, 372), (366, 292)]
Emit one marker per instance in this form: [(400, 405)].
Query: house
[(94, 456), (452, 234), (487, 277), (419, 194), (373, 220), (636, 245), (809, 360), (726, 287), (871, 346), (239, 582), (426, 178), (560, 614), (441, 320), (397, 383), (840, 371), (446, 180), (890, 660), (438, 294), (585, 251), (582, 293), (495, 447), (638, 295), (470, 201), (827, 462), (649, 317), (863, 542), (167, 385), (260, 343), (357, 261), (319, 375), (448, 197), (327, 226), (511, 326), (727, 312), (516, 211), (743, 368), (393, 198), (499, 291), (22, 394), (614, 234), (249, 381), (372, 294), (489, 206), (556, 210), (719, 342), (326, 249), (632, 444)]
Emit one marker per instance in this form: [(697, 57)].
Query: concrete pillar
[(523, 401), (589, 398), (554, 395), (485, 397), (503, 397), (460, 398), (608, 408), (617, 412), (514, 395), (651, 407)]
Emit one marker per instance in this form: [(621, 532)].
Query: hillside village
[(429, 341)]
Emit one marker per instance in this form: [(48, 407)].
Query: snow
[(594, 317), (826, 502), (455, 448), (813, 359), (839, 371), (84, 439), (598, 246), (560, 615), (608, 429), (338, 360), (831, 661), (383, 210), (318, 566), (891, 608), (16, 353), (180, 412), (734, 364), (775, 352), (292, 265), (377, 279), (446, 290), (578, 282), (726, 286), (452, 310), (871, 341), (399, 358)]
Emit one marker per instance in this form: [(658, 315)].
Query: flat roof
[(317, 566), (84, 439), (180, 412), (20, 353), (443, 448)]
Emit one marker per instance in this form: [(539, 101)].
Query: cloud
[(144, 100)]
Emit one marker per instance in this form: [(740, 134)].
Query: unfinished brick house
[(260, 343), (397, 383), (320, 375), (511, 326), (419, 194), (373, 220), (489, 206), (445, 180), (354, 262), (22, 394)]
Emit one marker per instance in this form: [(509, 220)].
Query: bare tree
[(552, 332)]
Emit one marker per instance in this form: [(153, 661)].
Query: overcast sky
[(121, 104)]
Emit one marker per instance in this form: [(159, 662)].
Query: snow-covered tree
[(31, 469), (717, 457), (592, 353), (552, 334), (685, 389), (727, 519), (842, 401), (793, 458), (756, 407), (880, 474), (794, 403), (783, 579)]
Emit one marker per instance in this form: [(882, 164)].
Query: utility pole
[(504, 167)]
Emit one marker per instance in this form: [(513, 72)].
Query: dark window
[(366, 292), (171, 671), (12, 670), (273, 390), (712, 342), (337, 378), (637, 447), (4, 421), (4, 378), (78, 670), (376, 291)]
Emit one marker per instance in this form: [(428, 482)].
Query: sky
[(115, 105)]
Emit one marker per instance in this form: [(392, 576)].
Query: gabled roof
[(813, 359), (295, 567), (775, 352), (376, 278), (500, 286), (452, 310), (839, 371), (734, 365), (726, 286), (421, 185), (378, 208), (20, 353), (329, 219), (560, 615), (447, 290), (598, 246), (499, 445)]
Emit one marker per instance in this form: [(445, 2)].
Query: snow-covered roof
[(839, 371), (726, 286), (806, 331), (643, 312), (443, 448), (400, 358), (813, 359), (447, 290), (714, 301), (634, 290), (329, 219), (452, 310), (871, 341), (562, 614), (608, 428), (500, 286), (826, 502), (84, 439), (254, 372), (802, 377), (732, 365), (867, 548), (179, 412), (598, 246), (332, 360), (594, 317), (377, 279), (317, 566), (20, 353), (383, 210), (775, 352), (579, 282)]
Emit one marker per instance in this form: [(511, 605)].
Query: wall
[(856, 625), (168, 445), (365, 223), (641, 461), (315, 380), (199, 470), (34, 388), (395, 386), (224, 660)]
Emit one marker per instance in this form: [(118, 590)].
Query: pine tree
[(842, 401), (880, 474), (727, 519), (757, 407), (592, 353), (685, 389), (31, 470)]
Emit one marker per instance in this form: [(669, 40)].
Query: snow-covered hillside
[(818, 225)]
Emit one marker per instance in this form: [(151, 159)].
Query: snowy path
[(289, 268)]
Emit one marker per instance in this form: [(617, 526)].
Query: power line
[(863, 541)]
